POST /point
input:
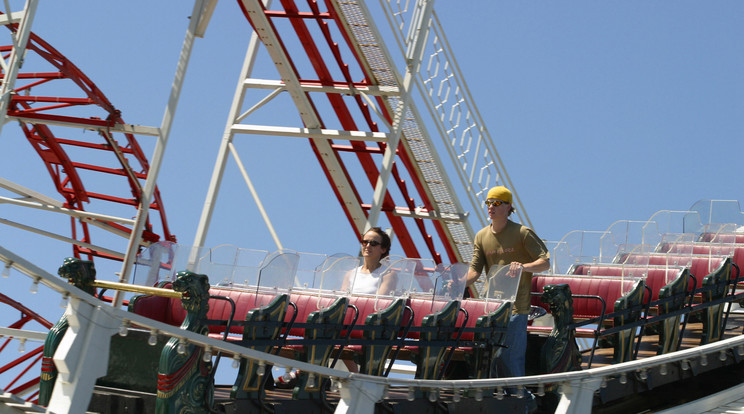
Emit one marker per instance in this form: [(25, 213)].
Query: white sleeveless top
[(364, 282)]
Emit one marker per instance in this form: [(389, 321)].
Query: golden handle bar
[(169, 293)]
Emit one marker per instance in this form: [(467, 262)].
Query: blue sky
[(601, 111), (608, 110)]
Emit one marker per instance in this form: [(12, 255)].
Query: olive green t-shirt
[(515, 243)]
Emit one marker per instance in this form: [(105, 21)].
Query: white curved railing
[(95, 321), (452, 109)]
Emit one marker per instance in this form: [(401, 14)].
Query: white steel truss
[(456, 116)]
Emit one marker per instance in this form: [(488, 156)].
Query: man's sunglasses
[(373, 243), (495, 203)]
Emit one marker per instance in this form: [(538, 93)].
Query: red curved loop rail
[(320, 29), (75, 157)]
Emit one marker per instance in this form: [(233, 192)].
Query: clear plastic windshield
[(643, 255), (677, 222), (451, 280), (424, 277), (439, 284), (218, 264), (406, 275), (502, 283), (397, 276), (627, 232), (225, 265), (278, 270), (334, 273), (677, 243), (161, 261), (699, 257), (308, 270), (722, 233), (628, 252), (155, 263), (247, 265), (576, 247), (579, 247), (719, 211), (413, 276), (636, 250)]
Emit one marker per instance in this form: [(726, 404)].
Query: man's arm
[(539, 265), (472, 276)]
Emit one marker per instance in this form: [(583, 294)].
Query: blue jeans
[(512, 359)]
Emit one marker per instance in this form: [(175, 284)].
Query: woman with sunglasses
[(369, 278)]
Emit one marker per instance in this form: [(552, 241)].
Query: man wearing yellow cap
[(504, 242)]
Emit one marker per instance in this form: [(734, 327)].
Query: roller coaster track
[(56, 105), (363, 125), (92, 156), (29, 360)]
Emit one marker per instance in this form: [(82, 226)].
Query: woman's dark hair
[(385, 239)]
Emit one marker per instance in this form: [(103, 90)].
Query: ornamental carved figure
[(185, 383), (80, 273), (560, 353)]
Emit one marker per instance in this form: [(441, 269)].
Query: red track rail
[(350, 112), (70, 161), (29, 358)]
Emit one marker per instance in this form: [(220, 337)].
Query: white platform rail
[(83, 357)]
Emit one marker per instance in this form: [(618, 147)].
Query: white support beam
[(341, 89), (28, 193), (578, 395), (359, 397), (17, 54), (61, 238), (23, 334), (82, 215), (204, 17), (51, 204), (135, 239), (255, 196), (82, 356), (122, 128), (11, 18), (419, 32), (265, 30), (314, 133), (289, 82), (268, 98), (218, 172), (422, 213)]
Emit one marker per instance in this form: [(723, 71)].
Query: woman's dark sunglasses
[(373, 243)]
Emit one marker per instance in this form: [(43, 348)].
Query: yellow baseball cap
[(500, 193)]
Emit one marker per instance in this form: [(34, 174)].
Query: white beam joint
[(314, 133), (342, 89), (82, 215), (122, 128), (12, 18), (422, 213)]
